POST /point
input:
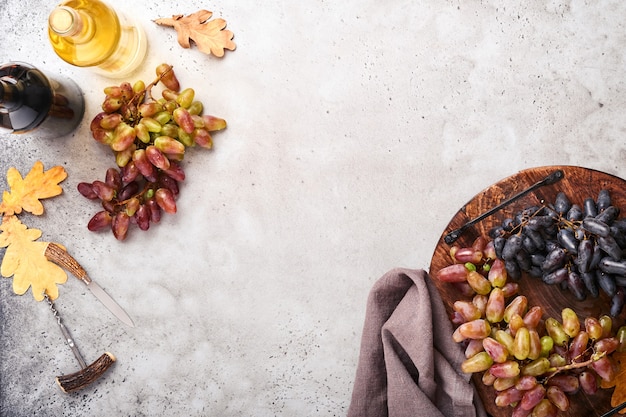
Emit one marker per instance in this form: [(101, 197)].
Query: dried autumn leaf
[(619, 382), (209, 35), (26, 192), (25, 260)]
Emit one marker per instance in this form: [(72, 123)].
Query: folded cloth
[(409, 366)]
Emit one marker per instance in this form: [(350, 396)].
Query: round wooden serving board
[(578, 184)]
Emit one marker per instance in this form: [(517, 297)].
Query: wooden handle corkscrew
[(88, 373)]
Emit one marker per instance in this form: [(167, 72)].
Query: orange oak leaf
[(25, 260), (619, 394), (209, 35), (26, 192)]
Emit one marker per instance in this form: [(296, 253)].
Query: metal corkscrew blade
[(554, 177), (614, 410)]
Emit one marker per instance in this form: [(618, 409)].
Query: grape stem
[(141, 97), (574, 365), (148, 186), (518, 229), (148, 89)]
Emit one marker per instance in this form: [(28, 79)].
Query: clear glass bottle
[(31, 102), (89, 33)]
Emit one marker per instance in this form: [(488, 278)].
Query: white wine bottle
[(31, 102), (89, 33)]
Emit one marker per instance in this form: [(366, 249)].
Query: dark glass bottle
[(31, 102)]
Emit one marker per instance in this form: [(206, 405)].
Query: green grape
[(196, 108), (521, 344), (478, 282), (169, 145), (505, 339), (163, 117), (185, 98), (212, 123), (517, 306), (537, 367), (501, 384), (139, 87), (497, 273), (547, 344), (556, 360), (556, 332), (571, 323), (534, 351), (170, 129), (111, 104), (494, 310), (477, 363), (142, 132), (607, 325), (593, 328), (544, 408)]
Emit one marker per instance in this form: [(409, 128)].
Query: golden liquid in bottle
[(84, 33), (88, 33)]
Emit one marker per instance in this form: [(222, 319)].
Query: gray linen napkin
[(409, 366)]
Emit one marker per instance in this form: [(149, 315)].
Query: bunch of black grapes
[(582, 249)]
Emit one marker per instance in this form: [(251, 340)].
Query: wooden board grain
[(578, 184)]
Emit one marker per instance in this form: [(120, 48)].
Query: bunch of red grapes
[(148, 137)]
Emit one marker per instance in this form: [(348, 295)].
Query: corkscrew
[(88, 373), (554, 177), (614, 410)]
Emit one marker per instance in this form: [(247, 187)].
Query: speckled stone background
[(356, 131)]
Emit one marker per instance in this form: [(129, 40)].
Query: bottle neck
[(10, 97), (71, 23)]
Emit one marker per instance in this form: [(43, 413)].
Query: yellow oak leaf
[(26, 192), (210, 35), (25, 260), (619, 382)]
